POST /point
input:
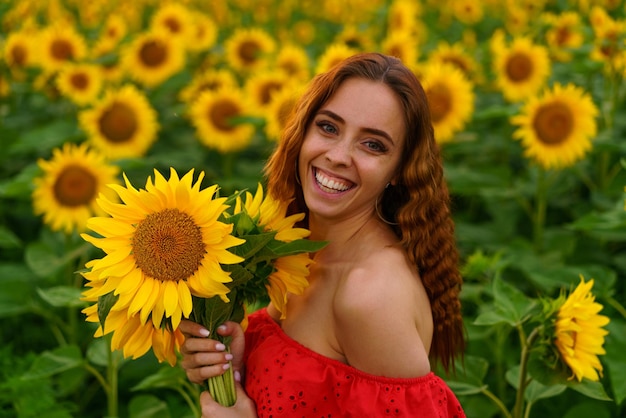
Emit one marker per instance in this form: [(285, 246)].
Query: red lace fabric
[(286, 379)]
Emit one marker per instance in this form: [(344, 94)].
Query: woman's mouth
[(331, 185)]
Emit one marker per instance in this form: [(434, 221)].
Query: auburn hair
[(419, 202)]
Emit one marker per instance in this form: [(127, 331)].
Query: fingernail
[(237, 376), (226, 366), (228, 357), (220, 347), (204, 332), (222, 328)]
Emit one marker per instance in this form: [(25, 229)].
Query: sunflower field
[(528, 104)]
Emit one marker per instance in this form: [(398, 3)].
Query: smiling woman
[(382, 300)]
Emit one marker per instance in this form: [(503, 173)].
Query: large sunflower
[(153, 57), (522, 68), (72, 180), (60, 44), (81, 83), (248, 50), (556, 128), (579, 335), (214, 115), (290, 272), (123, 124), (163, 244), (450, 98)]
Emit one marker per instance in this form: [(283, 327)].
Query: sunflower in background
[(261, 87), (153, 57), (579, 332), (72, 179), (81, 83), (216, 114), (248, 50), (402, 45), (20, 52), (204, 32), (457, 55), (174, 19), (294, 61), (279, 109), (450, 98), (333, 55), (209, 80), (557, 127), (522, 68), (58, 45), (564, 34), (122, 124)]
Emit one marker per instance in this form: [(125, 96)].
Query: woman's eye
[(327, 127), (375, 146)]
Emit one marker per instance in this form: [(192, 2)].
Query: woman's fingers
[(192, 329)]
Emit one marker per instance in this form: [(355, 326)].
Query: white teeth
[(330, 184)]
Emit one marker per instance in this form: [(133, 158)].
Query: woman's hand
[(243, 408), (205, 357)]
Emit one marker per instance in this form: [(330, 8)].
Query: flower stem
[(523, 382), (112, 402), (540, 210), (497, 401)]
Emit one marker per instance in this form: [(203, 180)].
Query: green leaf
[(45, 137), (253, 244), (8, 239), (212, 312), (591, 389), (55, 361), (42, 260), (17, 283), (614, 358), (62, 296), (148, 406), (535, 390), (469, 376), (298, 246), (105, 303), (165, 377), (98, 352), (510, 305)]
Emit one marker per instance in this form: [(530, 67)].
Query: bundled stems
[(222, 387)]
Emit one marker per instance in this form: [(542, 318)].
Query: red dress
[(286, 379)]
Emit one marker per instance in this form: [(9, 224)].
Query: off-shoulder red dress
[(286, 379)]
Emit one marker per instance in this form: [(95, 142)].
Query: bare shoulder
[(383, 317)]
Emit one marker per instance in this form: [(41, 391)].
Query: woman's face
[(351, 150)]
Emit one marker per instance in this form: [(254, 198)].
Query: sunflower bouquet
[(174, 250)]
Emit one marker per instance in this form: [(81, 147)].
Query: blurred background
[(527, 99)]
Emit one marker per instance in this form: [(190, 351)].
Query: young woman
[(360, 158)]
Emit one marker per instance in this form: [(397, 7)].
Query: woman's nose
[(340, 153)]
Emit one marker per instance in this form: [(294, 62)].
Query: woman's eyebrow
[(372, 131)]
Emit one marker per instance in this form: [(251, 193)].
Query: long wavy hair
[(419, 202)]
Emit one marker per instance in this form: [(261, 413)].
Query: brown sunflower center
[(267, 90), (118, 123), (19, 55), (79, 81), (168, 245), (173, 25), (519, 67), (75, 186), (153, 54), (439, 101), (249, 52), (553, 123), (563, 35), (62, 50), (221, 114)]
